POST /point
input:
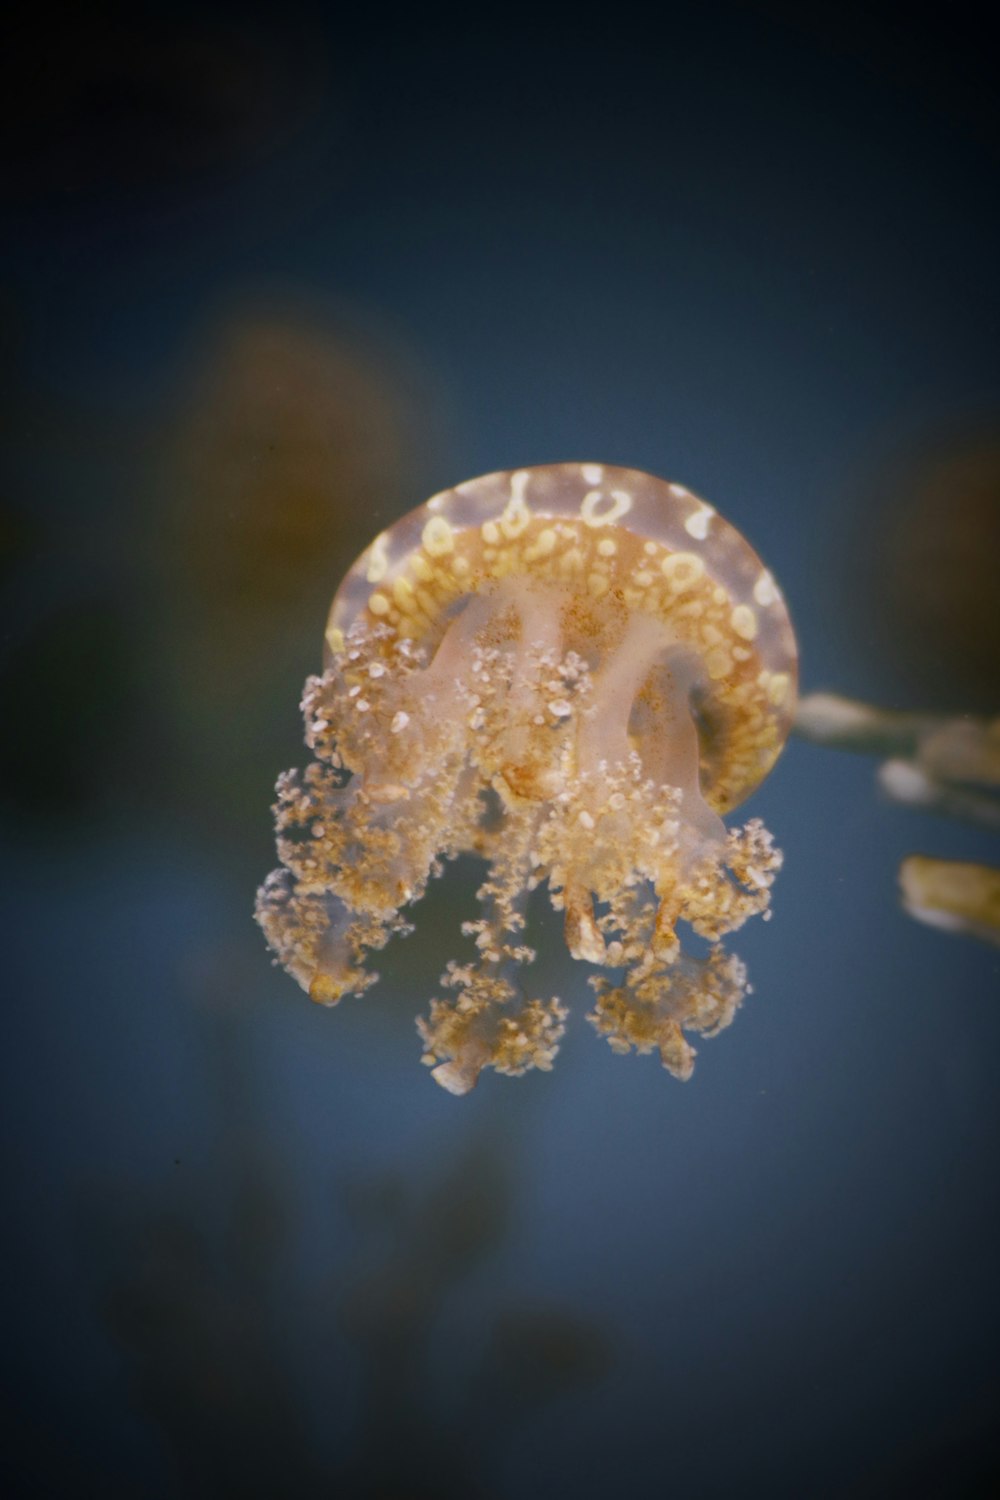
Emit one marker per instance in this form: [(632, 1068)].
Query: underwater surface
[(269, 284)]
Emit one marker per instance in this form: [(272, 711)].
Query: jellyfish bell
[(611, 545), (573, 672)]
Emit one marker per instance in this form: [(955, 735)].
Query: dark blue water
[(268, 284)]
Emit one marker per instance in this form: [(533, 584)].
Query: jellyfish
[(570, 672)]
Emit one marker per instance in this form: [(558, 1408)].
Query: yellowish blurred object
[(946, 764), (936, 763), (910, 784), (954, 747), (921, 560), (955, 896), (297, 430), (846, 724)]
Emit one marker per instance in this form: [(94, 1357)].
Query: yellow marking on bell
[(490, 532), (402, 592), (679, 489), (619, 505), (777, 688), (682, 570), (719, 662), (597, 583), (420, 568), (438, 537), (461, 566), (592, 473), (744, 621), (543, 544), (335, 638), (436, 503), (606, 547), (516, 513), (379, 604)]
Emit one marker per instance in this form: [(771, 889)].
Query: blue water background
[(249, 1247)]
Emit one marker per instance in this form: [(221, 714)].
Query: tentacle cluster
[(562, 756)]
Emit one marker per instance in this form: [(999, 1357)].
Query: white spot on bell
[(378, 560), (696, 524), (765, 590), (619, 505)]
